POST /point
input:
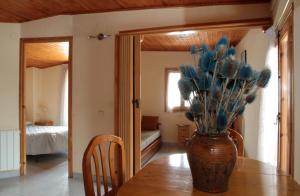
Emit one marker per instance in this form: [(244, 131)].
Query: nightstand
[(44, 123), (184, 132)]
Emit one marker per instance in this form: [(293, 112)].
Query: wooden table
[(170, 176)]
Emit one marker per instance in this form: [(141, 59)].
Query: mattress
[(148, 137), (46, 139)]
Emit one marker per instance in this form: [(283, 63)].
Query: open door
[(285, 116)]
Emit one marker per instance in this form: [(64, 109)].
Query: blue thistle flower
[(229, 68), (204, 48), (194, 49), (264, 78), (190, 72), (185, 87), (250, 98), (190, 116), (204, 60), (223, 41), (221, 120), (204, 81), (182, 69), (245, 72), (231, 51)]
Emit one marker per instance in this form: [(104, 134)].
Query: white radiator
[(9, 149)]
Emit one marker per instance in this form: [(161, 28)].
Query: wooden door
[(285, 116), (136, 103)]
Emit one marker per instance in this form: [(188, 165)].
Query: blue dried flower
[(229, 68), (190, 72), (204, 60), (221, 120), (204, 48), (223, 41), (204, 81), (185, 87), (194, 49), (231, 51), (190, 116), (245, 72), (250, 98), (264, 78), (216, 92)]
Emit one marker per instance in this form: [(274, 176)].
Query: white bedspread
[(46, 139)]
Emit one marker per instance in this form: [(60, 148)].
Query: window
[(174, 101)]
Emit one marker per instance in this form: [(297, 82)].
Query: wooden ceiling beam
[(22, 11)]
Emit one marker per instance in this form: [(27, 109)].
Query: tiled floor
[(47, 176)]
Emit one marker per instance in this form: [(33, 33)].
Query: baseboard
[(9, 174), (170, 144)]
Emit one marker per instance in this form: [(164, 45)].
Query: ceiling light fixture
[(182, 33)]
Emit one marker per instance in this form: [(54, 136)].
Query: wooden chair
[(101, 146), (238, 141)]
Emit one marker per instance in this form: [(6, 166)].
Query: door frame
[(22, 104), (287, 29), (263, 23)]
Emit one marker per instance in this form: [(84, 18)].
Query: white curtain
[(64, 100), (268, 128)]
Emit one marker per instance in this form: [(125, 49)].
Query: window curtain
[(268, 128), (64, 100)]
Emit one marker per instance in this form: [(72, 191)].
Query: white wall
[(256, 44), (93, 63), (9, 97), (153, 65), (44, 91), (9, 76), (297, 89)]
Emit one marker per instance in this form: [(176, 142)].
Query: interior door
[(285, 161), (136, 103)]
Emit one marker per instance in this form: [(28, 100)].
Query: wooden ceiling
[(182, 41), (43, 55), (26, 10)]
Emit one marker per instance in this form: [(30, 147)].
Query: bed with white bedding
[(46, 139), (150, 144)]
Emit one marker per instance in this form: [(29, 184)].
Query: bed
[(46, 139), (150, 138)]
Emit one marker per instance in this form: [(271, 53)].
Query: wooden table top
[(170, 176)]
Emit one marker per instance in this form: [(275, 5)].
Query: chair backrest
[(238, 141), (97, 150)]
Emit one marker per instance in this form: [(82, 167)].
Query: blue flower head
[(190, 71), (229, 68), (194, 49), (185, 87), (241, 110), (245, 72), (197, 107), (190, 116), (231, 51), (205, 59), (264, 78), (204, 82), (223, 41), (204, 48), (250, 98)]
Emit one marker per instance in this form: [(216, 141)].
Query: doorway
[(286, 103), (128, 65), (46, 102)]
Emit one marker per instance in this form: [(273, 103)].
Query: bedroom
[(46, 104)]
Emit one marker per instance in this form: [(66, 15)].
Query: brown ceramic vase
[(211, 160)]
